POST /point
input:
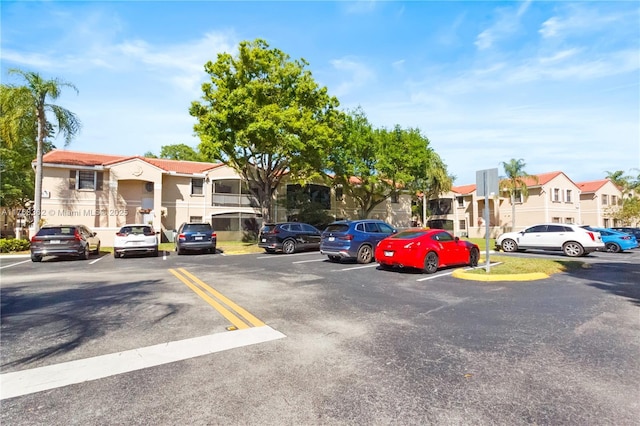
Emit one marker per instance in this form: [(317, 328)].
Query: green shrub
[(10, 245)]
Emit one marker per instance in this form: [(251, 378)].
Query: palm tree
[(516, 181), (66, 122)]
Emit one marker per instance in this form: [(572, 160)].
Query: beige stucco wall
[(594, 211)]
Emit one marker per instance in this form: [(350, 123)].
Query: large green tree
[(265, 116), (50, 119), (17, 149), (374, 164), (516, 181)]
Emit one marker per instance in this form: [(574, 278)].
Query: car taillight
[(35, 238), (593, 237), (626, 238), (213, 235), (121, 234), (347, 237), (181, 237), (77, 236)]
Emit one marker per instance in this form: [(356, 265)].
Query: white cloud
[(506, 24), (355, 74)]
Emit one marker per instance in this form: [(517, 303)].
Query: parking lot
[(295, 339)]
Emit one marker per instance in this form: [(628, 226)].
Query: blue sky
[(553, 83)]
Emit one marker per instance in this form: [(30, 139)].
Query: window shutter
[(99, 180), (72, 179)]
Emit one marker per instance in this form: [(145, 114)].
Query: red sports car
[(426, 249)]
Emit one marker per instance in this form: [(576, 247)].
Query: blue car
[(615, 241), (354, 239)]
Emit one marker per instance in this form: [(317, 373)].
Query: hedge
[(10, 245)]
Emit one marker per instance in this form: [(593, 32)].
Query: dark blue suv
[(348, 239)]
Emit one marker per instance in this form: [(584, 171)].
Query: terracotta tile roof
[(464, 189), (543, 178), (592, 185), (75, 158)]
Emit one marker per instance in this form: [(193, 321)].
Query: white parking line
[(96, 260), (307, 261), (68, 373), (372, 265), (435, 276), (281, 255), (14, 264)]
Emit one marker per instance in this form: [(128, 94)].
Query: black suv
[(288, 237), (195, 236)]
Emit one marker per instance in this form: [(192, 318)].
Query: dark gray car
[(64, 240), (195, 237), (288, 237)]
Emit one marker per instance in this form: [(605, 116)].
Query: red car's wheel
[(474, 257), (431, 262)]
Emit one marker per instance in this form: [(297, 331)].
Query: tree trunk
[(513, 212), (37, 213)]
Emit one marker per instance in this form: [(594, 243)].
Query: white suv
[(135, 238), (571, 239)]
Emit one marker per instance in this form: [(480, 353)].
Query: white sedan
[(571, 239), (135, 239)]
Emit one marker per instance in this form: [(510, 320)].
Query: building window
[(614, 200), (460, 201), (568, 220), (298, 195), (517, 197), (394, 197), (556, 220), (197, 185), (607, 223), (195, 219), (339, 193), (231, 192), (462, 224), (605, 199), (440, 206), (87, 180), (567, 196), (555, 195)]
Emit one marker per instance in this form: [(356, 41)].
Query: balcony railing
[(233, 200)]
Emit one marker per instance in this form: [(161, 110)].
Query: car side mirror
[(457, 239), (93, 234)]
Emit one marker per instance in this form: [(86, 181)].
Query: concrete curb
[(489, 278)]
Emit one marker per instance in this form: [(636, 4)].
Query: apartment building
[(552, 197), (106, 191)]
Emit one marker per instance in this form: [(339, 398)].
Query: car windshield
[(136, 230), (409, 235), (337, 227), (197, 227), (268, 228), (57, 230)]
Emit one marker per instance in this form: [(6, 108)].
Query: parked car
[(426, 249), (135, 239), (348, 239), (196, 236), (633, 231), (288, 237), (64, 240), (614, 241), (571, 239)]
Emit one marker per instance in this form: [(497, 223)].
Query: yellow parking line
[(233, 319), (244, 313)]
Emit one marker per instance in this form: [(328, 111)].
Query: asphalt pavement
[(297, 340)]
